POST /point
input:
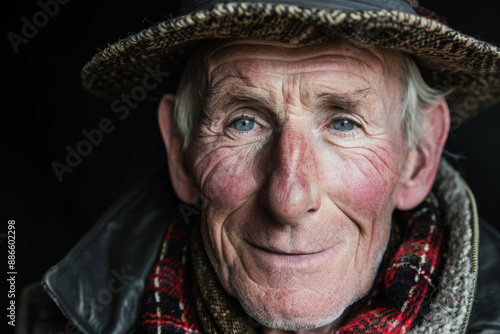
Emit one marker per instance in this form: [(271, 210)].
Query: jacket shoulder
[(105, 273), (485, 317)]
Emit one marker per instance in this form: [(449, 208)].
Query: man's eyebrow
[(347, 101), (216, 100)]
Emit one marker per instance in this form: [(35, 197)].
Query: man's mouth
[(269, 256), (277, 251)]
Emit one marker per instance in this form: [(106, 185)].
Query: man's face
[(298, 159)]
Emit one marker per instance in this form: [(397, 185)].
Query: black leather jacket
[(98, 286)]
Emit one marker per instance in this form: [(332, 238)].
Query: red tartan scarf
[(183, 294)]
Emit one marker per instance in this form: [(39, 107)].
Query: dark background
[(45, 109)]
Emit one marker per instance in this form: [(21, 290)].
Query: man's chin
[(293, 318)]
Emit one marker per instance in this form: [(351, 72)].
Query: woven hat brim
[(448, 58)]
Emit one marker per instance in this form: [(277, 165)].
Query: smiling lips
[(271, 257)]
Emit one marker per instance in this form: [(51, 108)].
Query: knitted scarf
[(184, 295)]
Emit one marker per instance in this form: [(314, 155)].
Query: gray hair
[(416, 95)]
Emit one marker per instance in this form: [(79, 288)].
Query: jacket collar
[(99, 284), (450, 309)]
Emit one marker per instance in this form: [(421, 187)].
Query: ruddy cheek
[(230, 182), (367, 193), (366, 184)]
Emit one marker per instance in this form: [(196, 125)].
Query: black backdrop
[(45, 109)]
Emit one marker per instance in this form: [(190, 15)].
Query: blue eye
[(244, 124), (343, 125)]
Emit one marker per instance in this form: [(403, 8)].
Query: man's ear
[(422, 164), (179, 175)]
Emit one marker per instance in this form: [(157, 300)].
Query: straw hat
[(447, 58)]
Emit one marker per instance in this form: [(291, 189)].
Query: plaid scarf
[(397, 302), (167, 303)]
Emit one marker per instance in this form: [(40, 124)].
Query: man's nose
[(292, 188)]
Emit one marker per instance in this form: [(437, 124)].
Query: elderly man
[(307, 139)]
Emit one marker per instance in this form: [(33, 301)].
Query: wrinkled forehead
[(219, 56)]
